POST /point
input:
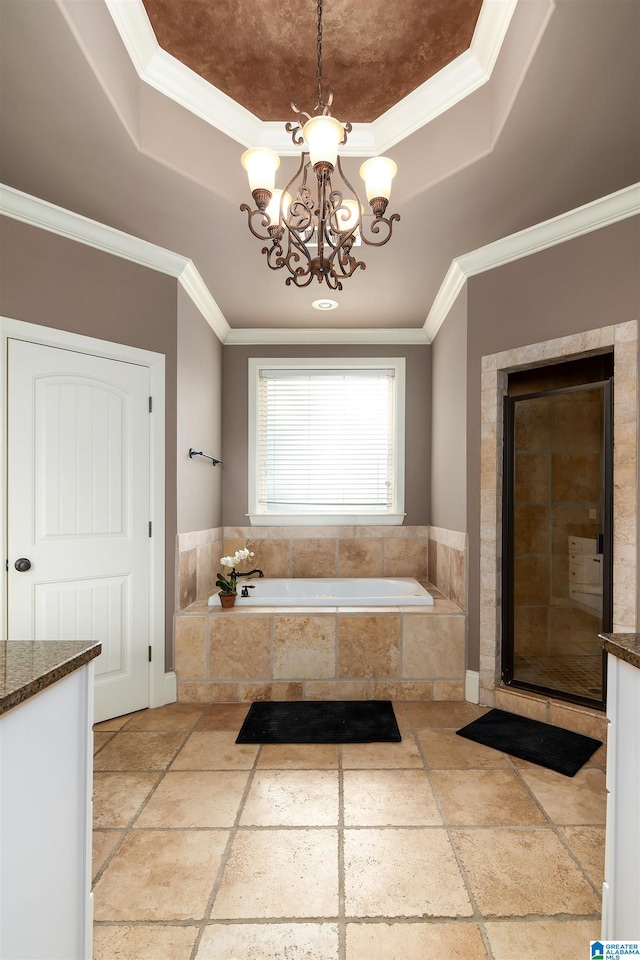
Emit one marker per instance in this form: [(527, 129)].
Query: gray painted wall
[(418, 439), (589, 282), (449, 420), (199, 420)]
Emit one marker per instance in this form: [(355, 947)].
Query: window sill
[(326, 519)]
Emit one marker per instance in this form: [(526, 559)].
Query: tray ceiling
[(263, 55)]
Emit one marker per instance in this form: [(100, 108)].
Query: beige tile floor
[(433, 847)]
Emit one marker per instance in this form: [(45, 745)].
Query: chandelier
[(314, 234)]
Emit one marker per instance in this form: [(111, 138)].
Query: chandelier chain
[(319, 46)]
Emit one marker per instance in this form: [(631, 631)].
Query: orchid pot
[(227, 599)]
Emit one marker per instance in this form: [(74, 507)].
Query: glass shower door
[(557, 571)]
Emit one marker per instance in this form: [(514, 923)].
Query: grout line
[(108, 740), (408, 920), (160, 776), (106, 863), (478, 917), (555, 827), (342, 927), (225, 856)]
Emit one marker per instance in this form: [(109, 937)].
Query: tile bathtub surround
[(301, 552), (277, 653), (623, 337), (448, 563), (197, 563), (435, 846), (334, 551)]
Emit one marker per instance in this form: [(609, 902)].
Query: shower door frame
[(508, 566)]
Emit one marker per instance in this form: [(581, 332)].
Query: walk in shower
[(557, 527)]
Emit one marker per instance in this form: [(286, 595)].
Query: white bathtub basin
[(332, 592)]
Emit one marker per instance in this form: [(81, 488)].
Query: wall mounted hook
[(198, 453)]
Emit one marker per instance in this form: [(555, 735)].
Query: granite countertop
[(625, 646), (29, 666)]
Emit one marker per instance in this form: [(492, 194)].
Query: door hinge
[(7, 564), (149, 654), (150, 529), (150, 404)]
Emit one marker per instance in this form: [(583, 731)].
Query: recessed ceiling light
[(324, 304)]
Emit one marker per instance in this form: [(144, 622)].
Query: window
[(326, 441)]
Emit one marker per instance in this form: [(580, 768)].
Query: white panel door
[(78, 511)]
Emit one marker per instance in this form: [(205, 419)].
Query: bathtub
[(333, 592)]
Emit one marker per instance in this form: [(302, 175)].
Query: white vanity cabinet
[(46, 764), (621, 888)]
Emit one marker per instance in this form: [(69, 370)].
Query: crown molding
[(65, 223), (47, 216), (567, 226), (446, 296), (457, 80), (195, 287), (245, 336)]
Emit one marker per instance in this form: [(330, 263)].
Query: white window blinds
[(326, 441)]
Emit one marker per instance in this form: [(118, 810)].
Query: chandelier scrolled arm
[(347, 130), (254, 216), (382, 225), (295, 128), (293, 222)]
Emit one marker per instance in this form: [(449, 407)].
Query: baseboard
[(472, 686), (170, 692)]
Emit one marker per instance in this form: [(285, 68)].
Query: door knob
[(22, 564)]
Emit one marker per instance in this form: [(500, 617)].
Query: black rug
[(320, 721), (541, 743)]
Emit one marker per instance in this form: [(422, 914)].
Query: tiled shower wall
[(426, 553)]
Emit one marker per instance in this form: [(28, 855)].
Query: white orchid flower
[(238, 557), (228, 583), (243, 554)]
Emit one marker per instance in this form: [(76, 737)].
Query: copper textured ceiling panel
[(262, 53)]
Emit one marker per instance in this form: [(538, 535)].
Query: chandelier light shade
[(323, 135), (313, 235), (261, 166), (377, 173)]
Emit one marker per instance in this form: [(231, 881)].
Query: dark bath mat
[(320, 721), (552, 747)]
